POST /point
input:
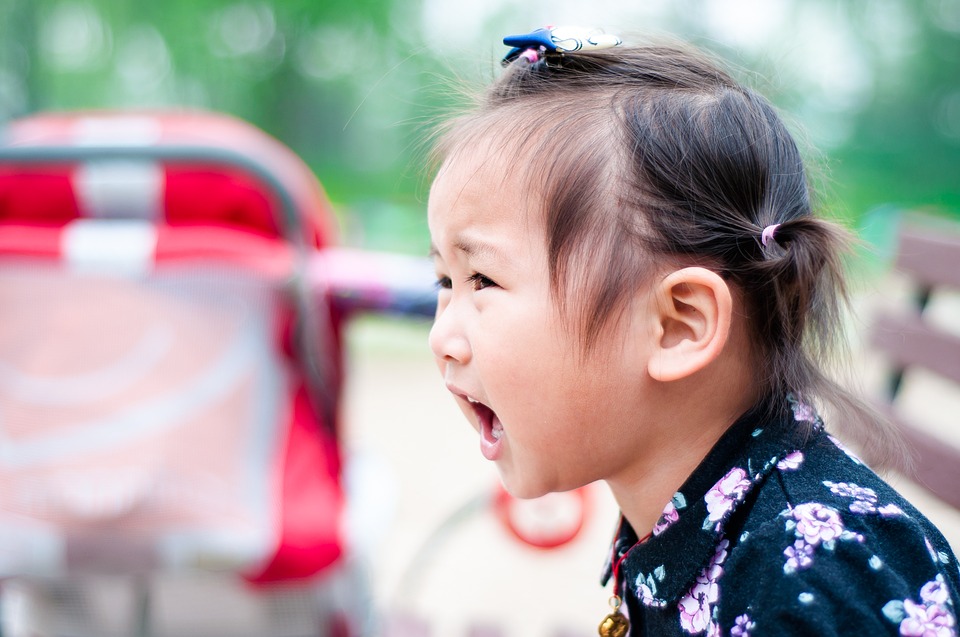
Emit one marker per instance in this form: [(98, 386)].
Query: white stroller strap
[(123, 247), (119, 189)]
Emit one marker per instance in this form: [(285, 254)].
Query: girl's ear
[(693, 308)]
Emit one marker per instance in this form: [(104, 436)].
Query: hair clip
[(565, 39)]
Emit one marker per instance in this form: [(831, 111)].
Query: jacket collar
[(661, 569)]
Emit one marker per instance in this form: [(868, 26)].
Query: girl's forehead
[(476, 190), (480, 153), (479, 175), (494, 160)]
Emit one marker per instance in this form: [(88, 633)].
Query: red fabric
[(37, 194), (30, 241), (311, 503), (221, 196)]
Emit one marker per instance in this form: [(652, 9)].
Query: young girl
[(634, 289)]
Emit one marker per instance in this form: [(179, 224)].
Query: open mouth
[(491, 429)]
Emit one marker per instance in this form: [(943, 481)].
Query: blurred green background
[(353, 85)]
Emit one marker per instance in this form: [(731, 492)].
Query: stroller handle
[(171, 155)]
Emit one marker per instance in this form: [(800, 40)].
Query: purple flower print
[(724, 494), (791, 461), (890, 511), (935, 592), (817, 523), (862, 507), (931, 618), (799, 556), (864, 498), (647, 588), (742, 626), (696, 607), (938, 557), (803, 412), (714, 569), (814, 525), (926, 621), (851, 490), (645, 595), (668, 517)]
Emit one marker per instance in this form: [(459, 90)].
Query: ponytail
[(807, 303)]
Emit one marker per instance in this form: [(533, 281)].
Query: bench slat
[(937, 467), (932, 260), (908, 341), (929, 257)]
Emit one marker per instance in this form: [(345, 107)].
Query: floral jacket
[(781, 531)]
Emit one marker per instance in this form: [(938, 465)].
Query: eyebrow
[(470, 247)]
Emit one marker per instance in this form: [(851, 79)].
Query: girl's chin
[(520, 490)]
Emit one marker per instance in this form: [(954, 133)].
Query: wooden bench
[(930, 258)]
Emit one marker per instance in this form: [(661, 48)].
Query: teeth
[(496, 429)]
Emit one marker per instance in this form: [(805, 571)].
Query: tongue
[(491, 437)]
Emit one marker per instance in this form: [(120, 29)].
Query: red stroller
[(170, 318)]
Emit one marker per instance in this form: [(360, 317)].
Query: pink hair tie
[(768, 233), (531, 56)]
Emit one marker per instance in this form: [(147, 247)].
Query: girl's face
[(549, 418)]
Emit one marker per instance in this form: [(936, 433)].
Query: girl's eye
[(444, 282), (480, 281)]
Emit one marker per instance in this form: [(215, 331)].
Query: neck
[(700, 409)]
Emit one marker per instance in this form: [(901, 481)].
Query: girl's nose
[(447, 339)]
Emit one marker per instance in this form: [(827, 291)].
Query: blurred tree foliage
[(350, 84), (904, 146), (333, 79)]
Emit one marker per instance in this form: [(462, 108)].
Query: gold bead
[(614, 625)]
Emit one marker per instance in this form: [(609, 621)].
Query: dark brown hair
[(641, 154)]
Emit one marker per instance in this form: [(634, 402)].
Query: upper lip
[(459, 393), (482, 412), (456, 391)]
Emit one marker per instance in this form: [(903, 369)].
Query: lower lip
[(490, 447)]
